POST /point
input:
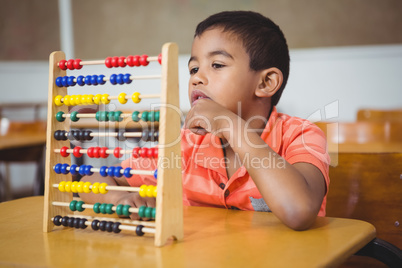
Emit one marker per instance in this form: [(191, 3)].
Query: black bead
[(76, 134), (70, 135), (63, 136), (64, 221), (80, 135), (87, 135), (156, 136), (145, 135), (77, 223), (139, 231), (70, 222), (120, 136), (95, 225), (116, 228), (109, 226), (56, 135), (57, 220), (102, 225), (82, 223)]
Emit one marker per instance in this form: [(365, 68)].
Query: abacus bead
[(116, 152), (88, 80), (71, 100), (57, 220), (82, 170), (73, 116), (97, 99), (110, 116), (96, 152), (126, 210), (63, 151), (136, 60), (58, 82), (74, 187), (119, 79), (81, 80), (77, 99), (119, 209), (153, 213), (76, 151), (70, 135), (112, 79), (77, 64), (145, 134), (64, 81), (67, 186), (72, 205), (136, 97), (117, 172), (142, 192), (102, 171), (73, 169), (61, 186), (120, 136), (141, 211), (150, 190), (57, 100), (63, 168), (144, 60), (90, 152), (121, 61), (122, 98), (150, 152), (127, 173), (148, 212), (144, 152), (155, 192), (109, 226), (144, 116), (94, 80), (109, 209), (157, 116), (76, 134), (136, 152), (82, 224), (156, 174), (101, 80), (90, 99), (102, 208), (110, 171), (79, 207), (105, 99), (102, 188), (115, 227), (155, 152), (70, 222), (70, 81), (77, 223), (64, 221), (102, 225), (103, 116), (126, 79), (62, 64), (97, 116), (160, 58), (70, 64), (151, 116), (130, 60), (95, 188), (88, 171), (96, 207), (59, 116), (66, 100), (80, 185), (86, 187), (135, 117), (95, 225), (108, 62), (139, 231), (117, 115), (115, 61)]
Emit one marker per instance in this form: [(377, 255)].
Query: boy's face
[(219, 70)]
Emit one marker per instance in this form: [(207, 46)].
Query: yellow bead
[(72, 100), (67, 187), (95, 188), (77, 99), (150, 191), (143, 190), (102, 188), (90, 99), (122, 98), (155, 191), (97, 99), (80, 186), (136, 97), (84, 99), (57, 100), (74, 187), (87, 187), (61, 186), (66, 100), (105, 99)]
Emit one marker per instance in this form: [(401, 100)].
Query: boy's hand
[(207, 116), (135, 201)]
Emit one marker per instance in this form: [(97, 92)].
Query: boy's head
[(262, 39)]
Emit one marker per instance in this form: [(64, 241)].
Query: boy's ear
[(270, 82)]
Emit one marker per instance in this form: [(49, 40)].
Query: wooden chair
[(394, 115)]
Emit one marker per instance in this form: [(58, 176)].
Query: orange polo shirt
[(205, 181)]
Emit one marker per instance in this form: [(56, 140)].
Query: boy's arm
[(294, 193)]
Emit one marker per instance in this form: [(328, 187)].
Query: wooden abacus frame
[(169, 204)]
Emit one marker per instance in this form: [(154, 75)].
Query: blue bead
[(64, 81), (80, 80), (156, 174), (63, 168), (88, 170), (110, 171), (117, 172), (100, 79), (127, 79), (58, 81), (70, 81), (113, 79), (127, 172), (73, 169), (57, 168), (82, 170), (102, 171), (119, 79), (94, 80), (88, 80)]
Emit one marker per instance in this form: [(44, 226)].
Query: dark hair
[(262, 39)]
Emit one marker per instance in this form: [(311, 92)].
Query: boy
[(237, 151)]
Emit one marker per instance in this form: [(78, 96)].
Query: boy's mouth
[(197, 95)]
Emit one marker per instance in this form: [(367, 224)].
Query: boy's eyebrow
[(214, 53)]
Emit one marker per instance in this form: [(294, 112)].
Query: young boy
[(238, 152)]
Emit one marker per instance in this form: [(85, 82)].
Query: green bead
[(141, 211), (135, 117), (117, 115), (109, 208), (153, 213), (151, 116), (157, 116), (144, 116), (102, 208), (59, 117), (73, 205), (79, 207), (148, 212), (119, 209), (125, 210), (97, 115), (103, 116), (73, 116), (111, 116), (96, 208)]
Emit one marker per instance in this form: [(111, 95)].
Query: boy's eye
[(193, 70), (217, 65)]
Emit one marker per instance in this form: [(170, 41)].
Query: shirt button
[(227, 193), (222, 185)]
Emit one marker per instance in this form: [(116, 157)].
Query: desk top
[(218, 237)]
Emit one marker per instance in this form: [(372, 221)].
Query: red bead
[(136, 152), (130, 61), (144, 152), (144, 60), (70, 64), (90, 152), (108, 62), (103, 153), (96, 152), (150, 152), (155, 152), (77, 64), (115, 61), (116, 152), (160, 58), (76, 151), (62, 65), (136, 60), (63, 151), (122, 62)]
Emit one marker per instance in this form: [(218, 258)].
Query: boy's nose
[(199, 78)]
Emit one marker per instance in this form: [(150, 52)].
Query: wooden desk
[(17, 140), (212, 237)]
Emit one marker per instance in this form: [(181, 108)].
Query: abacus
[(59, 185)]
